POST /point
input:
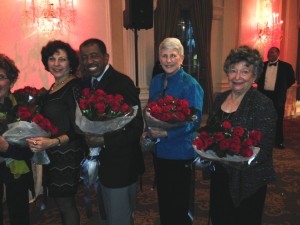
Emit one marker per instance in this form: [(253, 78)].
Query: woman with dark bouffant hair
[(65, 149), (17, 182), (237, 196)]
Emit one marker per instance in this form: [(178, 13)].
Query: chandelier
[(269, 30), (50, 16)]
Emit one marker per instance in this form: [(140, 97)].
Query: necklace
[(57, 84)]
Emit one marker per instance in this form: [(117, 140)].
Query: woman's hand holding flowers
[(155, 132), (38, 144)]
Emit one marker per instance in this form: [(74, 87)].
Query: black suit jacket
[(121, 160), (285, 79)]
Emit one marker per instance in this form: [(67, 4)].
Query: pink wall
[(23, 44)]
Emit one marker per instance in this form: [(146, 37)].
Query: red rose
[(246, 152), (100, 92), (209, 140), (224, 144), (166, 116), (255, 135), (248, 142), (168, 100), (119, 97), (24, 113), (219, 136), (83, 104), (180, 116), (124, 108), (235, 148), (100, 108), (238, 131), (160, 102), (226, 124), (85, 92), (200, 143)]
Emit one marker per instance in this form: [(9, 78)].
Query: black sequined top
[(255, 112)]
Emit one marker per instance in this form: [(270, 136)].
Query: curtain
[(201, 18), (166, 18), (298, 66)]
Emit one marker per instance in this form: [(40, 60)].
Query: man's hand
[(94, 140)]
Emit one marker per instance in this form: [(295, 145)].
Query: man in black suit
[(121, 159), (276, 78)]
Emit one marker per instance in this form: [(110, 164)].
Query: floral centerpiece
[(99, 113), (228, 144), (168, 112)]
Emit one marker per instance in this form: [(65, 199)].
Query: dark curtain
[(201, 18), (166, 18), (298, 66)]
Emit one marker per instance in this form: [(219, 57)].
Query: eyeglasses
[(3, 77), (243, 72)]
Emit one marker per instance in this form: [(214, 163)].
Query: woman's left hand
[(38, 144)]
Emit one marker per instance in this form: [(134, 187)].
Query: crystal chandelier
[(269, 30), (50, 16)]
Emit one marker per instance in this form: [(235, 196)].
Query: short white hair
[(172, 43)]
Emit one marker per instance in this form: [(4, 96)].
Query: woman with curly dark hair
[(237, 196), (65, 150)]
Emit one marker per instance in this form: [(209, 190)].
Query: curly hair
[(7, 64), (246, 54), (53, 47)]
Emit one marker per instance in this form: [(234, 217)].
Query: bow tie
[(273, 64)]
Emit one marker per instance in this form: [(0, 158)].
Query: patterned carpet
[(282, 204)]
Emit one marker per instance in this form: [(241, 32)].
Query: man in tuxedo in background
[(276, 78)]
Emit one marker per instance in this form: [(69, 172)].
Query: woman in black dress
[(65, 149)]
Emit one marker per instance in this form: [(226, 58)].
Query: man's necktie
[(95, 84), (273, 64)]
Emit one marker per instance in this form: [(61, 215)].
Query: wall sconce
[(50, 16), (269, 30)]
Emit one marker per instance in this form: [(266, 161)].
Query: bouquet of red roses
[(26, 95), (168, 112), (30, 123), (229, 144), (99, 112)]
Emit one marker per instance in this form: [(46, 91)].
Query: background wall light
[(50, 16), (269, 26)]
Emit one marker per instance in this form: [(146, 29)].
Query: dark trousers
[(224, 212), (174, 191), (279, 139), (18, 201)]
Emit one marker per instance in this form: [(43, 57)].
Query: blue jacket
[(178, 144)]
